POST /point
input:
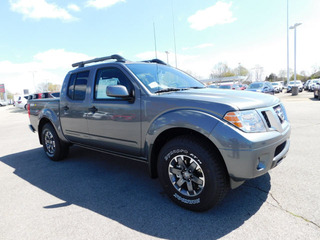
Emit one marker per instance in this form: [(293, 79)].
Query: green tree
[(272, 77), (222, 70), (299, 77), (241, 71), (54, 87), (47, 87)]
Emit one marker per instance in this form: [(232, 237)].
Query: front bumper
[(249, 155)]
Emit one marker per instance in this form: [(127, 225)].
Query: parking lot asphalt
[(92, 195)]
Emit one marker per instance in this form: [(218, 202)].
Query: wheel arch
[(42, 122), (171, 133), (45, 120)]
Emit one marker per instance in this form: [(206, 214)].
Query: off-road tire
[(54, 148), (184, 164)]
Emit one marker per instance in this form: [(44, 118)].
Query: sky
[(40, 39)]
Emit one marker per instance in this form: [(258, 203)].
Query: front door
[(114, 122)]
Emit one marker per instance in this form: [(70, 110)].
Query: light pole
[(288, 43), (295, 56), (167, 57)]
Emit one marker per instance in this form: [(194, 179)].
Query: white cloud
[(38, 9), (219, 13), (102, 3), (74, 7), (49, 66)]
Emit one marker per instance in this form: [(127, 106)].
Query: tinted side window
[(78, 85), (71, 85), (109, 77)]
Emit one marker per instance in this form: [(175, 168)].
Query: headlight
[(248, 121)]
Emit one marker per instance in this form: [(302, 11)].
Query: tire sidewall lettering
[(174, 152), (179, 197), (186, 201)]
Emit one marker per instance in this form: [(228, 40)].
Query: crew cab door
[(114, 123), (73, 107)]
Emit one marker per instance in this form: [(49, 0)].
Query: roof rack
[(155, 60), (115, 56)]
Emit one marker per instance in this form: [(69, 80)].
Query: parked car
[(212, 86), (312, 84), (230, 86), (306, 85), (262, 87), (21, 101), (316, 91), (277, 87), (243, 86), (200, 142), (3, 103), (295, 83), (44, 95), (54, 94)]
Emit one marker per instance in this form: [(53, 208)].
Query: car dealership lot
[(92, 195)]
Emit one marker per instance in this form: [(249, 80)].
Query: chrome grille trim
[(274, 117)]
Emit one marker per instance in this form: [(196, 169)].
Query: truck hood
[(239, 100)]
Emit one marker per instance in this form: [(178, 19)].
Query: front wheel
[(54, 148), (192, 174)]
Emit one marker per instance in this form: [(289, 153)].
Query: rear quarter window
[(78, 85)]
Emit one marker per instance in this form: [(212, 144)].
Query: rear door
[(114, 123), (74, 107)]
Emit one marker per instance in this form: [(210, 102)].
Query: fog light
[(260, 165)]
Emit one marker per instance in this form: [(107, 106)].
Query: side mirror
[(117, 91)]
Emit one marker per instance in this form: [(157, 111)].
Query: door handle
[(93, 109), (66, 108)]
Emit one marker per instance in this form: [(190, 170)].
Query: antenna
[(174, 35), (155, 40)]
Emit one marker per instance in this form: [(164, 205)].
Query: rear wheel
[(54, 148), (191, 174)]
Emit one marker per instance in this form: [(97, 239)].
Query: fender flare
[(184, 119), (47, 115)]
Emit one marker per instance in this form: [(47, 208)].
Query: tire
[(192, 175), (55, 149)]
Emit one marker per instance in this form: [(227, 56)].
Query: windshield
[(255, 85), (157, 77)]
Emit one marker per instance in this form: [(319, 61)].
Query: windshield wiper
[(169, 90), (197, 87), (176, 89)]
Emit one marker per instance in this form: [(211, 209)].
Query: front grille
[(275, 118), (266, 118), (280, 113)]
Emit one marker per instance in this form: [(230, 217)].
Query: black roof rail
[(115, 56), (155, 60)]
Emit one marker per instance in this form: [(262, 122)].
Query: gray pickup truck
[(199, 141)]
